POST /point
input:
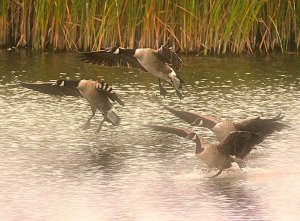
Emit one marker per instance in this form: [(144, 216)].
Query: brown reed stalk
[(193, 26)]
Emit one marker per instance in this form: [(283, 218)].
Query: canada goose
[(162, 63), (222, 129), (217, 155), (97, 94)]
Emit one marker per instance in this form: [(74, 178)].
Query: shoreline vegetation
[(190, 26)]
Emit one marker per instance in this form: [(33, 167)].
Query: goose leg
[(217, 174), (178, 93), (100, 126), (87, 124), (162, 91)]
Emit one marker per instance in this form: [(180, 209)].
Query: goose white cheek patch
[(62, 84)]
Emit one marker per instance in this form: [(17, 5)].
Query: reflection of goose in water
[(162, 63), (232, 195), (220, 156), (105, 157), (222, 129), (99, 96)]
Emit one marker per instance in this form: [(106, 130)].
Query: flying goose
[(162, 63), (217, 155), (99, 96), (222, 129)]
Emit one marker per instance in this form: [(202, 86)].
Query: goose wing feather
[(109, 58), (168, 55), (262, 126), (239, 143), (106, 90), (49, 88), (191, 117), (181, 132)]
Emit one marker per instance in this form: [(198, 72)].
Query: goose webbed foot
[(217, 174), (162, 91), (86, 125)]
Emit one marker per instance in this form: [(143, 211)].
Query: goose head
[(194, 137)]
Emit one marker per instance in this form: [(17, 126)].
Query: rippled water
[(50, 169)]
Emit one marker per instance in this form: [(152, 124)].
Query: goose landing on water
[(220, 156), (162, 63), (97, 94), (222, 129)]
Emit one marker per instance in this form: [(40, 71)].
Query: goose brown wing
[(264, 127), (49, 88), (112, 57), (168, 55), (239, 143), (181, 132), (104, 89), (190, 117)]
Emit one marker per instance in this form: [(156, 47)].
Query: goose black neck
[(199, 149)]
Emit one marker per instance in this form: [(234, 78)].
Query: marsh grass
[(193, 26)]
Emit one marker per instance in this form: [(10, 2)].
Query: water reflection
[(234, 196), (52, 170)]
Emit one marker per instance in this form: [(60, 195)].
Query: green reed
[(193, 26)]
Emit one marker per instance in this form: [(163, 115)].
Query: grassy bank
[(203, 26)]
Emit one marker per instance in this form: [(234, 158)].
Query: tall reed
[(193, 26)]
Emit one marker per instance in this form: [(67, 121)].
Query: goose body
[(222, 129), (97, 100), (214, 158), (217, 155), (161, 63), (99, 96)]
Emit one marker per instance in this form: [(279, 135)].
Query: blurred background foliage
[(191, 26)]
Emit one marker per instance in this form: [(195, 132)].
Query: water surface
[(50, 169)]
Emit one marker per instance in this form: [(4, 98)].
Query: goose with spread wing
[(162, 63), (222, 129), (217, 155), (99, 96)]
